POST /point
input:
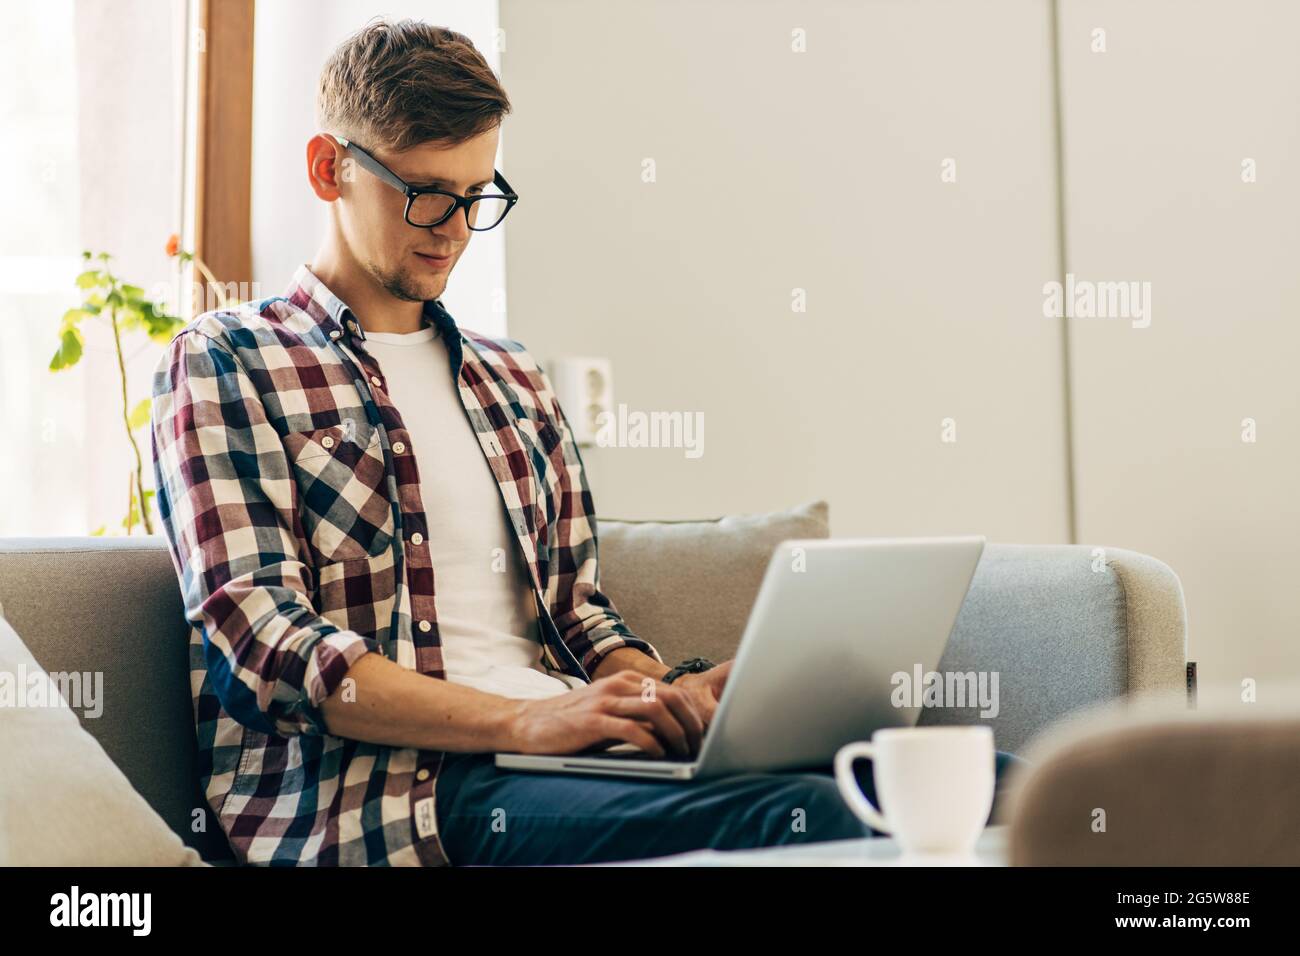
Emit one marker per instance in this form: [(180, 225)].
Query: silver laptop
[(839, 626)]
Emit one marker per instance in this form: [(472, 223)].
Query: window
[(93, 124)]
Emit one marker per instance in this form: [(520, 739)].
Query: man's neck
[(375, 308)]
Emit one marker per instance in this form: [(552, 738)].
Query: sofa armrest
[(1055, 629), (1156, 622)]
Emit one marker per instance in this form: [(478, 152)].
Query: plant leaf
[(150, 317), (163, 327), (72, 317), (130, 319), (89, 279), (140, 414), (69, 352)]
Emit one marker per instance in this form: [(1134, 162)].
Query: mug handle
[(848, 784)]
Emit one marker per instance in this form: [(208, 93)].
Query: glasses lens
[(487, 212), (429, 208)]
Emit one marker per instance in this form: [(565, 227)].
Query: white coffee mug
[(935, 785)]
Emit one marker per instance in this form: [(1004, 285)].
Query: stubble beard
[(400, 284)]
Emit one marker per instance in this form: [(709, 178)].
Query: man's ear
[(326, 168)]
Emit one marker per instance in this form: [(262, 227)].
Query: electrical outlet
[(584, 387)]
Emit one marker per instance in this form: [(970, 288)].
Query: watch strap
[(695, 665)]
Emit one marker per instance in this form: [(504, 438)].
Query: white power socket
[(584, 387)]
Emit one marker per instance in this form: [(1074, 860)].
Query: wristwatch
[(695, 665)]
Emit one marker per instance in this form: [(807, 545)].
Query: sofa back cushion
[(687, 587)]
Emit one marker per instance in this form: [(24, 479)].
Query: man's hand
[(625, 707), (705, 689)]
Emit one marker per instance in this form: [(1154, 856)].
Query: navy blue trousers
[(493, 817)]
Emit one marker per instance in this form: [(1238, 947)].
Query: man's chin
[(426, 287), (433, 290), (411, 288)]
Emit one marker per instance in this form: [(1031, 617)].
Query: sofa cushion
[(64, 802), (688, 586), (112, 605)]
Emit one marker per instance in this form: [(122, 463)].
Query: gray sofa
[(1063, 630)]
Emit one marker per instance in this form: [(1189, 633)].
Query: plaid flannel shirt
[(288, 489)]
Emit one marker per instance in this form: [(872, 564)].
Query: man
[(331, 461)]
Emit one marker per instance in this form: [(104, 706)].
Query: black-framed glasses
[(427, 207)]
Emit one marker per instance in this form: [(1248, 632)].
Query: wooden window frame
[(224, 139)]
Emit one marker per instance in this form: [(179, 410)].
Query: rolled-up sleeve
[(587, 619), (228, 502)]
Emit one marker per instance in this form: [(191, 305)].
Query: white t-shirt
[(487, 618)]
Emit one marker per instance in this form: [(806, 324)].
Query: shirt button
[(417, 538), (422, 775), (328, 441), (336, 334), (375, 379), (399, 447), (426, 626)]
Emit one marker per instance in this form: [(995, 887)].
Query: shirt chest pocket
[(543, 443), (541, 435), (342, 490)]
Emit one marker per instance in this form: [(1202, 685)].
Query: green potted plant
[(127, 311)]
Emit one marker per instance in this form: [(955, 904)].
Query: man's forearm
[(382, 702), (628, 658)]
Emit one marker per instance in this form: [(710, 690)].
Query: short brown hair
[(397, 85)]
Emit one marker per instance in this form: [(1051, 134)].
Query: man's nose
[(455, 228)]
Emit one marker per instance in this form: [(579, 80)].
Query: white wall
[(1156, 129), (292, 40), (779, 170), (926, 298)]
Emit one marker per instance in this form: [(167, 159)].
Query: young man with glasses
[(387, 545)]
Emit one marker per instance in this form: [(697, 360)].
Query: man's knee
[(803, 808), (829, 817)]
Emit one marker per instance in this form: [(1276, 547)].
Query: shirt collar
[(332, 315)]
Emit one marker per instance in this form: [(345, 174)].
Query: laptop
[(839, 626)]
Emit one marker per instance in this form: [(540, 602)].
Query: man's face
[(402, 258)]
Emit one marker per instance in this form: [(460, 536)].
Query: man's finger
[(708, 707), (717, 676)]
